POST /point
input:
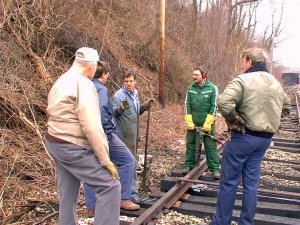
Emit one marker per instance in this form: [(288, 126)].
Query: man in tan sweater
[(76, 141)]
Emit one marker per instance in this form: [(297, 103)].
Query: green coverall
[(199, 102)]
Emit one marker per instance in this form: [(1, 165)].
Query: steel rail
[(298, 111), (281, 193), (169, 198)]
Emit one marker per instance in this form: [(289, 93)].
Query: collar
[(97, 81), (201, 86), (257, 67), (134, 93)]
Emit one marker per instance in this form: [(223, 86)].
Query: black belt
[(51, 138), (259, 133)]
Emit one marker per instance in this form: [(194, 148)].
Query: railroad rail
[(195, 193), (172, 196)]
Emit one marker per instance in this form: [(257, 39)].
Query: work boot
[(129, 205), (90, 213), (186, 170), (216, 175)]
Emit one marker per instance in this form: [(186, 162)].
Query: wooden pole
[(144, 180), (162, 53)]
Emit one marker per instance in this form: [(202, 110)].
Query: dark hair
[(102, 68), (201, 68), (129, 73)]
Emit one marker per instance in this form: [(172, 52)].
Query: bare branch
[(243, 2)]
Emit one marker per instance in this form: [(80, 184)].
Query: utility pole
[(162, 53), (272, 36)]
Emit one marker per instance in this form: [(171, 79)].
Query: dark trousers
[(121, 156), (241, 156)]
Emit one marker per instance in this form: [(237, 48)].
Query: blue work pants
[(124, 160), (242, 155)]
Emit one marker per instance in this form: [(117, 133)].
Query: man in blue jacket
[(118, 152)]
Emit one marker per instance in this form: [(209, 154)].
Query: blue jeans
[(241, 156), (124, 160)]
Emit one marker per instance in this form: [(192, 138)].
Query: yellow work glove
[(113, 170), (188, 119), (210, 119)]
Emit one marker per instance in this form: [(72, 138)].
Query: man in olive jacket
[(253, 105), (200, 110)]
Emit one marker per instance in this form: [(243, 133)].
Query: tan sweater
[(74, 114)]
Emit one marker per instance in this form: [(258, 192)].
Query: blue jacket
[(106, 109)]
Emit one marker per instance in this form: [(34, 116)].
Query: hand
[(124, 104), (149, 102), (237, 124), (188, 120), (145, 106), (210, 119), (113, 170)]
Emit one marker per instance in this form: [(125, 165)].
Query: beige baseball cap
[(86, 54)]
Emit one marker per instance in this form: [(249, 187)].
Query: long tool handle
[(144, 185), (198, 145)]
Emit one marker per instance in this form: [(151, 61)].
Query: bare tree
[(195, 14), (236, 15)]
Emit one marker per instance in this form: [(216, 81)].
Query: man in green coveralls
[(200, 110)]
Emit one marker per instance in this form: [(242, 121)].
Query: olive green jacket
[(258, 98)]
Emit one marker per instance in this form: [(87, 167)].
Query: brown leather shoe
[(129, 205), (216, 175), (90, 213)]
